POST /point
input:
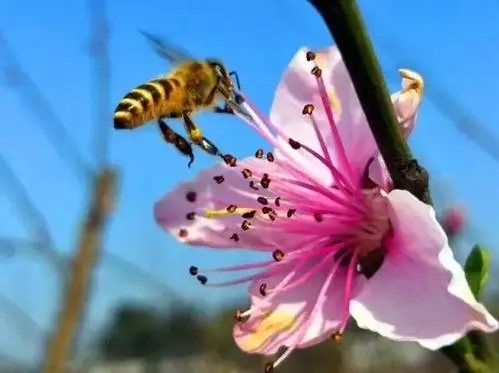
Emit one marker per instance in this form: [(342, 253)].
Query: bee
[(192, 85)]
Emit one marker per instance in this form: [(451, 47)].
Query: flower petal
[(298, 87), (420, 292), (171, 211), (288, 317)]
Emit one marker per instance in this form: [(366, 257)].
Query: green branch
[(344, 21)]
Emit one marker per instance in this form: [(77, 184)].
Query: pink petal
[(288, 318), (298, 88), (420, 293), (171, 211)]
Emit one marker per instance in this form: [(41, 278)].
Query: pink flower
[(454, 220), (340, 245)]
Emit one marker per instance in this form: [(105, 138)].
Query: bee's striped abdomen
[(142, 104)]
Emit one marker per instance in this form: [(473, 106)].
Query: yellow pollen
[(272, 323), (335, 103), (196, 135), (210, 213)]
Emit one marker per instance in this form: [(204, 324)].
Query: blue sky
[(451, 42)]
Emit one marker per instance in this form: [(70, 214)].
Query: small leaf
[(476, 269)]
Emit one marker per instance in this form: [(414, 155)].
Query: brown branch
[(87, 253)]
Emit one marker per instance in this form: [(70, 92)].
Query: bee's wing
[(166, 49)]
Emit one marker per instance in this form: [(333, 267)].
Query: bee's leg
[(170, 136), (197, 137)]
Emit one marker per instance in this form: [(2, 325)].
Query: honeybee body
[(188, 88), (192, 85)]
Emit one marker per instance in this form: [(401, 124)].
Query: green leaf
[(477, 268)]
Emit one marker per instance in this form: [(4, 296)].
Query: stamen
[(263, 200), (277, 201), (202, 279), (270, 157), (291, 212), (273, 215), (193, 271), (252, 185), (269, 367), (318, 218), (191, 196), (265, 182), (266, 210), (230, 160), (183, 233), (190, 216), (239, 316), (263, 288), (247, 173), (242, 267), (249, 215), (278, 255), (310, 56), (259, 154), (294, 144), (232, 208), (316, 71), (219, 179), (308, 109), (245, 225), (234, 237)]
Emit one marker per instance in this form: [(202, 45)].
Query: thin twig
[(87, 253), (43, 112)]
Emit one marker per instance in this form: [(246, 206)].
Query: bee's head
[(221, 72)]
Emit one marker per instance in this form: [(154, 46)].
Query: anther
[(245, 225), (183, 233), (249, 214), (269, 367), (238, 316), (263, 200), (308, 109), (270, 157), (277, 201), (318, 218), (266, 209), (202, 279), (231, 208), (193, 271), (234, 237), (310, 56), (278, 255), (247, 173), (291, 212), (230, 160), (273, 215), (252, 185), (219, 179), (337, 336), (265, 182), (190, 216), (259, 153), (317, 71), (294, 144), (263, 289), (191, 196)]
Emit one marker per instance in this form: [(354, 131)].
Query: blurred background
[(64, 66)]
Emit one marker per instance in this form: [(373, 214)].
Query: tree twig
[(345, 24), (89, 244)]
